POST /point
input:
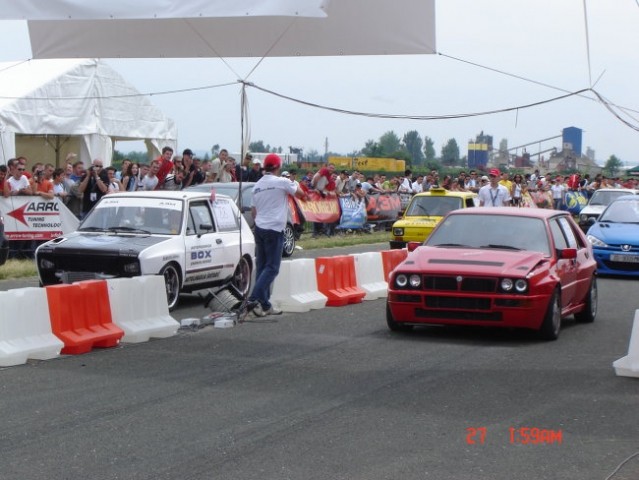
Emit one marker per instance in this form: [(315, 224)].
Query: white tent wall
[(80, 106)]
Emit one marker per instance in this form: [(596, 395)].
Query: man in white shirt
[(406, 184), (17, 183), (418, 185), (494, 194), (150, 180), (270, 210), (558, 189), (217, 164)]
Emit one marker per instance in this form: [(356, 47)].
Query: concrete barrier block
[(295, 288), (25, 327), (370, 274), (628, 366), (139, 307)]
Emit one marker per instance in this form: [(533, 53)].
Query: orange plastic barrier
[(336, 279), (392, 258), (81, 316)]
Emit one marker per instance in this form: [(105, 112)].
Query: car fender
[(154, 258)]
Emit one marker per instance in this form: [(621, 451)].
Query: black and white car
[(193, 242)]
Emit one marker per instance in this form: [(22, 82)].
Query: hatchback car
[(598, 202), (425, 211), (193, 242), (294, 224), (615, 238), (496, 267)]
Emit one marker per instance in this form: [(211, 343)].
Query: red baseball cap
[(272, 162), (494, 171)]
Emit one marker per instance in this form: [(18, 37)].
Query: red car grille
[(467, 284), (464, 303), (458, 315)]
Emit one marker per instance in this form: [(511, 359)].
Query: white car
[(194, 242), (598, 202)]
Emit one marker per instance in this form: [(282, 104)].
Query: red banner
[(320, 209)]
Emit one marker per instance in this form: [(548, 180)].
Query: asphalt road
[(331, 394)]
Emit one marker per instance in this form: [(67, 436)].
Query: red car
[(496, 267)]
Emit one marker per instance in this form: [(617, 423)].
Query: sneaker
[(273, 311), (258, 311), (251, 304)]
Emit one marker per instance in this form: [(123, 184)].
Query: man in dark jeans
[(270, 210)]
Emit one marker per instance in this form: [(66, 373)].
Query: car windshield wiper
[(91, 229), (128, 229), (493, 245)]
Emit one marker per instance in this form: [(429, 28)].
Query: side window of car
[(201, 216), (190, 226), (573, 240), (558, 235)]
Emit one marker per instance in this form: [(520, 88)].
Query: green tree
[(257, 147), (135, 157), (372, 149), (429, 149), (390, 143), (413, 145), (613, 165), (450, 153), (215, 150)]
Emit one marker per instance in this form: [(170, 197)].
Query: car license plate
[(624, 258)]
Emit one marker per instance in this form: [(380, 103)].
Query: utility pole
[(326, 149)]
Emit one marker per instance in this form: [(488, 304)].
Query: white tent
[(223, 28), (74, 105)]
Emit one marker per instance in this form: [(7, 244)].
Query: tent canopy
[(222, 28), (84, 98)]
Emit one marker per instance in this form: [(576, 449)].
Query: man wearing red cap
[(494, 194), (270, 210)]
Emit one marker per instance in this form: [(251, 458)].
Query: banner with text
[(320, 209), (34, 218), (353, 213)]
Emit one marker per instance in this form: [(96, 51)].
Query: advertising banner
[(353, 213), (575, 201), (383, 206), (320, 209), (35, 218)]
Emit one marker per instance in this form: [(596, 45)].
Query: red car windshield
[(492, 231)]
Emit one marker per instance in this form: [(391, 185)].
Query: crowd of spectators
[(80, 187)]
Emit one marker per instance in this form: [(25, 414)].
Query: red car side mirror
[(412, 246), (568, 253)]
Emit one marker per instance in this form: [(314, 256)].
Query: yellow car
[(424, 212)]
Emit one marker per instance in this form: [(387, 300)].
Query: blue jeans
[(268, 251)]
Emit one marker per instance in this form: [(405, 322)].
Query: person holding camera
[(40, 185), (93, 186)]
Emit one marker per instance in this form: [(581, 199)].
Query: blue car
[(615, 238)]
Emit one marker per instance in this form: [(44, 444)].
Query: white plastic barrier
[(25, 327), (139, 307), (628, 366), (370, 274), (295, 288)]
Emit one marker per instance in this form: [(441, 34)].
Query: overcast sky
[(543, 41)]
